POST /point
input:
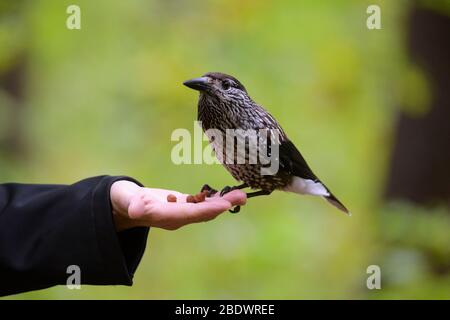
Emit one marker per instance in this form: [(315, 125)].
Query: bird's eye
[(226, 85)]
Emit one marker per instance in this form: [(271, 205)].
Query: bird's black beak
[(199, 84)]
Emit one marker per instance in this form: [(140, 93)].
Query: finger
[(185, 213), (235, 197)]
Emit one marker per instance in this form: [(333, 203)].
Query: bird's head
[(219, 85)]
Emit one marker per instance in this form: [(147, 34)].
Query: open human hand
[(135, 206)]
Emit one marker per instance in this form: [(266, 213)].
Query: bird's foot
[(235, 209), (226, 190), (210, 191)]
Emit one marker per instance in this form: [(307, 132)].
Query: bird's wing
[(290, 159), (293, 162)]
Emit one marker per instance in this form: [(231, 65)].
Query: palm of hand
[(149, 207)]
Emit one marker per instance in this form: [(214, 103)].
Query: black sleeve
[(46, 228)]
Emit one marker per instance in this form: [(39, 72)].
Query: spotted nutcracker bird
[(225, 104)]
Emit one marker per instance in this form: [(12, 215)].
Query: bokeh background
[(367, 108)]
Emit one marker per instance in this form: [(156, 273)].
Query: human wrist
[(121, 193)]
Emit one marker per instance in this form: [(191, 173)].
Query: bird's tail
[(335, 202), (316, 188)]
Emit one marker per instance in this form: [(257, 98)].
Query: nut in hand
[(171, 198)]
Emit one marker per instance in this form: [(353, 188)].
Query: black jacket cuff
[(120, 252)]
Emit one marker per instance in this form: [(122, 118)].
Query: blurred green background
[(105, 100)]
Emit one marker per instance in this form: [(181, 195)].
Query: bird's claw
[(225, 190), (235, 209), (210, 191)]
